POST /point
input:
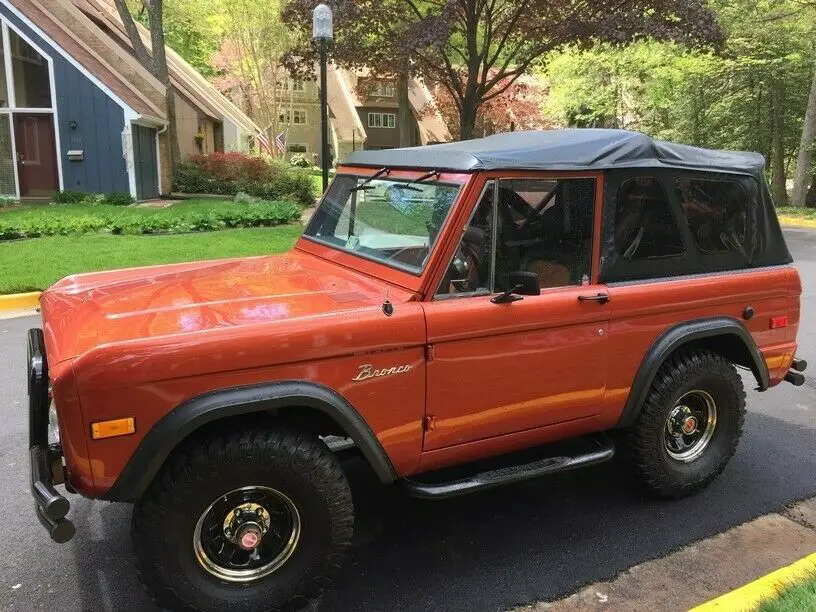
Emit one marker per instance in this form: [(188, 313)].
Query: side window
[(644, 225), (545, 226), (541, 225), (716, 213), (469, 270)]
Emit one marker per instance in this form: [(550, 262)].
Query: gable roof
[(80, 39), (91, 33), (185, 79), (570, 149)]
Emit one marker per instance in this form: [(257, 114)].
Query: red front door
[(36, 155)]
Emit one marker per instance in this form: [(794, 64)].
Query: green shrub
[(50, 221), (6, 202), (68, 197), (118, 198), (299, 160), (232, 173)]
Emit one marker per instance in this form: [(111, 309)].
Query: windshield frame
[(456, 180)]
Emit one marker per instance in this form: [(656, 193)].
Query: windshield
[(390, 221)]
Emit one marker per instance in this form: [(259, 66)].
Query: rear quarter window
[(645, 227), (716, 212)]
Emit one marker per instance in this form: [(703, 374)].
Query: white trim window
[(28, 88), (295, 85), (296, 117), (297, 147), (382, 120), (381, 89)]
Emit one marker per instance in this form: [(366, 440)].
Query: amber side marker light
[(116, 427)]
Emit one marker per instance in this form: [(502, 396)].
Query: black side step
[(603, 450)]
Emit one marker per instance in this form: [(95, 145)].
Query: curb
[(752, 594), (796, 222), (20, 301)]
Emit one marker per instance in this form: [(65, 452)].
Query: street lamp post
[(322, 32)]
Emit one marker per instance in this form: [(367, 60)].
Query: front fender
[(185, 419)]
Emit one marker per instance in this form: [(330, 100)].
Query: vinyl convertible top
[(570, 149)]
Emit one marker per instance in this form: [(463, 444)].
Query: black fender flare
[(194, 413), (684, 333)]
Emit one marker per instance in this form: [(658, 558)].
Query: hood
[(88, 310)]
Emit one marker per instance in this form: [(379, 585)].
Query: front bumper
[(46, 461)]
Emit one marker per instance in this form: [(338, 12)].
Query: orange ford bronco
[(462, 305)]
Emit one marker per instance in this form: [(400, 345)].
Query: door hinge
[(430, 352), (428, 423)]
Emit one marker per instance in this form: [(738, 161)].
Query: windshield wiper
[(376, 175), (425, 177)]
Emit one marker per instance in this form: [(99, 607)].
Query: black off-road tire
[(644, 441), (293, 462)]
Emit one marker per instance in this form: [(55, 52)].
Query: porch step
[(598, 449)]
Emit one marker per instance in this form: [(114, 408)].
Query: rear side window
[(645, 227), (716, 213)]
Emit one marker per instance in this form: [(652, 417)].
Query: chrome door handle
[(602, 298)]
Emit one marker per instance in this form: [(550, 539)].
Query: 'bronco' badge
[(367, 371)]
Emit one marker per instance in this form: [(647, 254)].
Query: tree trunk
[(156, 21), (803, 160), (779, 188), (406, 114), (810, 198), (467, 115)]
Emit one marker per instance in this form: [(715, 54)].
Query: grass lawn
[(35, 264), (799, 597)]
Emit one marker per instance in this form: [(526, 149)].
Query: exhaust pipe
[(795, 378)]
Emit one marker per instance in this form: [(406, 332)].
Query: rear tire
[(282, 491), (696, 390)]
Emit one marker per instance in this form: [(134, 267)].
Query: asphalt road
[(491, 551)]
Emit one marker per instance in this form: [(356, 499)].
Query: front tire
[(689, 426), (246, 519)]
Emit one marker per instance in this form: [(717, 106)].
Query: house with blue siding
[(78, 111)]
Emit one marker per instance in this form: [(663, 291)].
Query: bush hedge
[(233, 172), (116, 198), (117, 220)]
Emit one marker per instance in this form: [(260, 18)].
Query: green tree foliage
[(749, 96)]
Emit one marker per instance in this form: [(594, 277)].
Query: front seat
[(550, 274)]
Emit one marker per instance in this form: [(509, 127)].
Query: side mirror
[(521, 283), (526, 282)]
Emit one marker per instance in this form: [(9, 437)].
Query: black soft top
[(571, 149)]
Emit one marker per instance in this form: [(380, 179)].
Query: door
[(496, 369), (36, 155), (144, 156)]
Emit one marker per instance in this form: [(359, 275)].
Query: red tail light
[(779, 321)]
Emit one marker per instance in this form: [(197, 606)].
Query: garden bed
[(38, 220)]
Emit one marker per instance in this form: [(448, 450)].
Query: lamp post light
[(322, 32)]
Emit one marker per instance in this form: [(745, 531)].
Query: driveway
[(491, 551)]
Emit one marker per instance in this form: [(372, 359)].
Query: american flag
[(263, 143), (280, 142)]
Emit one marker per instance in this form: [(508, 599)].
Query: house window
[(297, 148), (381, 120), (381, 89), (297, 116), (293, 84), (29, 75)]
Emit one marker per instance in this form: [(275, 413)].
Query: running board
[(604, 451)]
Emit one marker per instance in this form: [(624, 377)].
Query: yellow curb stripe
[(796, 221), (18, 301), (748, 597)]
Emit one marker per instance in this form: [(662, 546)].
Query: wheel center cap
[(689, 425), (249, 538)]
